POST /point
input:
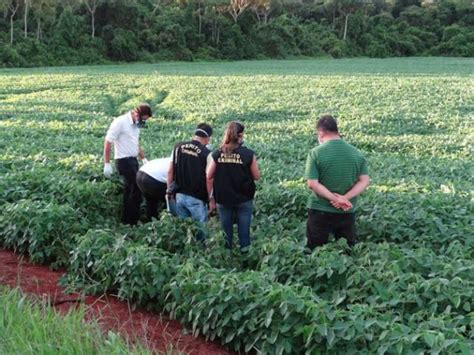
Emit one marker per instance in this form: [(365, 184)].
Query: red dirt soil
[(156, 332)]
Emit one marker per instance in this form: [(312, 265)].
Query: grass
[(29, 326)]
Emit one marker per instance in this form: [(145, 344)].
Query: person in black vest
[(187, 177), (232, 172)]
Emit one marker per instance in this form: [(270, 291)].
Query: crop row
[(407, 287), (376, 297)]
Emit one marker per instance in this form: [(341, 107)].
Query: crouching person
[(151, 180), (232, 172)]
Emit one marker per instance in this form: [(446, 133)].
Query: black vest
[(233, 181), (189, 166)]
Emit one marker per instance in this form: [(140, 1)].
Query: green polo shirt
[(337, 165)]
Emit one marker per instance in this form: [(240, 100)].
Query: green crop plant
[(406, 288)]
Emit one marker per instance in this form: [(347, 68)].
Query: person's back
[(233, 181), (232, 172), (151, 179), (190, 159), (157, 168), (187, 177), (339, 166), (336, 173)]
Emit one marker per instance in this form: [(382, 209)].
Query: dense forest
[(60, 32)]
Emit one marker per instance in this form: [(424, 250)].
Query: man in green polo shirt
[(336, 173)]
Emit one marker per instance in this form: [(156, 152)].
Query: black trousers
[(132, 197), (321, 224), (154, 192)]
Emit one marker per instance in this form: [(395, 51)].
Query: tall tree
[(27, 4), (262, 9), (347, 8), (237, 8), (11, 7), (92, 6), (43, 11), (215, 10)]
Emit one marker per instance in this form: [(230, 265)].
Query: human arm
[(141, 154), (107, 149), (254, 169), (210, 171), (359, 187), (111, 136), (107, 167), (361, 184), (335, 199), (169, 178)]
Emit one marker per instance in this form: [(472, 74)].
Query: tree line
[(60, 32)]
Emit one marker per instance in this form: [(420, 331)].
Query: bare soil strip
[(155, 331)]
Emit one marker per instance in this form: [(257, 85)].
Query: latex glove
[(108, 170), (144, 161)]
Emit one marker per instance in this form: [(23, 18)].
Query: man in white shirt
[(151, 179), (124, 133)]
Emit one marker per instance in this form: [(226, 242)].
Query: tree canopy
[(50, 32)]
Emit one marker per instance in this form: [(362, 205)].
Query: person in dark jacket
[(231, 174), (187, 177)]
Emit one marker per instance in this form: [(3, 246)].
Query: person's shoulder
[(353, 148), (315, 150), (177, 145), (204, 150), (121, 121), (125, 117)]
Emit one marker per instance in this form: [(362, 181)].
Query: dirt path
[(157, 332)]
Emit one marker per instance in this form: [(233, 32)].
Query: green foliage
[(46, 231), (196, 30), (33, 326), (407, 287)]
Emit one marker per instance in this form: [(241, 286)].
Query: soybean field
[(406, 287)]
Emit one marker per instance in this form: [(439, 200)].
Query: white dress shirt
[(157, 169), (124, 134)]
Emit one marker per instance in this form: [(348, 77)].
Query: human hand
[(108, 170), (144, 161), (212, 205), (341, 202)]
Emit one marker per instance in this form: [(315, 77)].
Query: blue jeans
[(189, 206), (242, 214)]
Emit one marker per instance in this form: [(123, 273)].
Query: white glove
[(144, 161), (108, 170)]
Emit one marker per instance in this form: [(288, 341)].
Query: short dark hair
[(327, 123), (203, 130), (144, 110)]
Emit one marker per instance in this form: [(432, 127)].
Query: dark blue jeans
[(189, 206), (242, 214)]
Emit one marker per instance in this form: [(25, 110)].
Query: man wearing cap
[(336, 173), (152, 181), (124, 133), (187, 173)]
